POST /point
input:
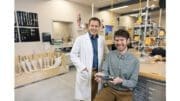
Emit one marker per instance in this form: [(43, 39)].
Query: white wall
[(127, 21), (107, 17), (32, 47), (163, 20), (111, 19), (61, 30), (49, 10), (59, 10)]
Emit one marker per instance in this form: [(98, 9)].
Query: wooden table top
[(154, 71)]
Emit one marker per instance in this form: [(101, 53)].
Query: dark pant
[(110, 94), (94, 85)]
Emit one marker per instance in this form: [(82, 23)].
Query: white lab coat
[(82, 56)]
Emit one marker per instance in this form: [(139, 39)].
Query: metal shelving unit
[(144, 31)]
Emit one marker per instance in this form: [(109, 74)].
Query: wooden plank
[(27, 78), (154, 71), (24, 78)]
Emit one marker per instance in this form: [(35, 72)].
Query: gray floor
[(59, 88)]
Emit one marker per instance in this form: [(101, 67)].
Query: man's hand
[(84, 74), (98, 76), (85, 69), (116, 80)]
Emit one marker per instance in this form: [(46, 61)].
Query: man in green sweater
[(122, 67)]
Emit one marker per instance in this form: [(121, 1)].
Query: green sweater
[(125, 66)]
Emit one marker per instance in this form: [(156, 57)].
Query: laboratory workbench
[(151, 84), (155, 71)]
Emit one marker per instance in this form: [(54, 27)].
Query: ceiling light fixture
[(113, 9), (135, 9)]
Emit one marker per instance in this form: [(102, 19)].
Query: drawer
[(156, 91), (156, 98), (158, 95), (149, 90), (139, 98)]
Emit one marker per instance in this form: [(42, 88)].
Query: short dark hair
[(96, 19), (121, 33)]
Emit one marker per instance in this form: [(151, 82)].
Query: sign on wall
[(26, 27)]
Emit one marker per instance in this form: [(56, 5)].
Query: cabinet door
[(156, 91), (149, 90), (140, 92)]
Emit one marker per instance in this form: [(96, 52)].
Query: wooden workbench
[(153, 71), (151, 84)]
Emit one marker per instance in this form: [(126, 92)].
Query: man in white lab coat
[(87, 54)]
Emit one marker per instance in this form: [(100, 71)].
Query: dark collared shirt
[(94, 41)]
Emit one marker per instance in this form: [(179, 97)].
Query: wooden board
[(24, 78), (27, 78), (154, 71)]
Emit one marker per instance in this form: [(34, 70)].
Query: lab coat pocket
[(84, 75)]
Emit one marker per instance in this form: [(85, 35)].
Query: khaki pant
[(94, 85), (109, 94)]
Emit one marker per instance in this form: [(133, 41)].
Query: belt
[(124, 90), (94, 69)]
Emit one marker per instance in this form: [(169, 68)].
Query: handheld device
[(107, 78)]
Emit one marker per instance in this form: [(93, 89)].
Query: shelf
[(140, 26), (150, 46), (136, 34), (26, 27), (109, 42)]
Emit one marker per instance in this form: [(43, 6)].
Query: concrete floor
[(59, 88)]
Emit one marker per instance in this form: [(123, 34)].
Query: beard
[(121, 47)]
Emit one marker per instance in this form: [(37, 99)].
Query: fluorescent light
[(134, 15), (135, 9), (118, 8), (137, 14)]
